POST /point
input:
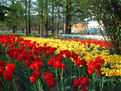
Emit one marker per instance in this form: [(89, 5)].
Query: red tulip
[(27, 63), (45, 44), (83, 89), (38, 65), (50, 62), (8, 75), (51, 83), (0, 51), (1, 70), (32, 67), (90, 71), (47, 76), (84, 81), (57, 64), (83, 62), (76, 82), (78, 62), (2, 63), (63, 66), (36, 74), (98, 72), (10, 66), (32, 79)]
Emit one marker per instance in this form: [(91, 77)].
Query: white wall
[(94, 24)]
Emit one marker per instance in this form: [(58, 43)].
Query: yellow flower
[(84, 51)]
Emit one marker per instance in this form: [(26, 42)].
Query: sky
[(34, 0)]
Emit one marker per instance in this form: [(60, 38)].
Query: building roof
[(82, 23)]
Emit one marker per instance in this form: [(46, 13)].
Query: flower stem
[(79, 72), (79, 77), (39, 85), (35, 88), (14, 85), (4, 85), (62, 79), (93, 80), (56, 74)]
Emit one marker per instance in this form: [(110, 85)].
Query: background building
[(80, 27)]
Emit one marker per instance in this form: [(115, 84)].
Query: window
[(76, 26), (82, 25)]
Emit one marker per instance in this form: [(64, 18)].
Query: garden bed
[(57, 65)]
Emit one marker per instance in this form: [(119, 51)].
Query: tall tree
[(46, 18), (58, 16), (73, 11), (3, 10), (68, 16), (53, 10), (16, 16), (40, 18), (29, 16), (39, 14), (109, 12), (26, 18)]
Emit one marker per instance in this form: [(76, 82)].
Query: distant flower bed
[(84, 36), (96, 42), (57, 65)]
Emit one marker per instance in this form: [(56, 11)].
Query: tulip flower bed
[(57, 65), (96, 42)]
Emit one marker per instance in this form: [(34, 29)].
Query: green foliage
[(16, 16), (3, 11), (108, 12)]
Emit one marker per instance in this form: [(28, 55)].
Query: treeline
[(49, 15)]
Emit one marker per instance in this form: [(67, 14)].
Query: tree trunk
[(41, 14), (42, 29), (29, 17), (14, 29), (39, 30), (68, 26), (46, 18), (63, 27), (42, 23), (53, 8), (39, 10), (22, 30), (26, 18), (13, 2), (46, 26), (114, 35), (116, 42), (58, 23), (68, 16)]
